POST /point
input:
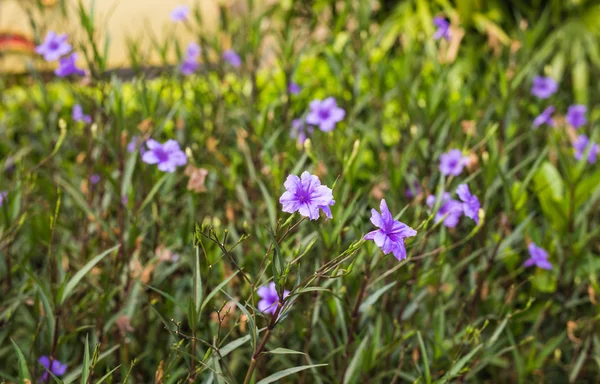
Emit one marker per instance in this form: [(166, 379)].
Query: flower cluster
[(53, 48), (324, 114), (451, 210), (190, 64)]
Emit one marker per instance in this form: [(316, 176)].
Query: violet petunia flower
[(294, 88), (325, 114), (581, 144), (538, 257), (450, 210), (67, 66), (443, 28), (54, 46), (269, 298), (168, 156), (300, 130), (78, 115), (306, 195), (543, 87), (57, 369), (3, 195), (180, 13), (545, 117), (190, 62), (576, 115), (452, 162), (470, 204), (391, 233), (232, 58)]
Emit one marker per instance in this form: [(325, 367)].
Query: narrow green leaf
[(356, 359), (23, 371), (82, 272), (285, 351), (286, 372), (425, 358)]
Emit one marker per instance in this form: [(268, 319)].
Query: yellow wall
[(121, 18)]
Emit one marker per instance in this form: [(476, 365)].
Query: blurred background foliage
[(170, 306)]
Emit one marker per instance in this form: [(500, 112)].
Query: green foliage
[(158, 272)]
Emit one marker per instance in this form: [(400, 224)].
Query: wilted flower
[(58, 369), (269, 298), (453, 162), (538, 257), (67, 66), (306, 196), (391, 233), (180, 13), (470, 202), (443, 28), (54, 46), (3, 195), (576, 115), (450, 211), (168, 156), (325, 114), (545, 117), (197, 178), (78, 115), (232, 58), (300, 130), (190, 62), (543, 87), (294, 88), (95, 178), (581, 144)]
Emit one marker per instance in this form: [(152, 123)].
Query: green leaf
[(425, 358), (456, 368), (82, 272), (369, 301), (285, 351), (286, 372), (23, 371), (85, 367), (230, 347), (197, 281), (356, 359)]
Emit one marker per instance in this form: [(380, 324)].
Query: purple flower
[(543, 87), (581, 144), (54, 46), (232, 58), (124, 200), (180, 13), (294, 88), (538, 257), (168, 156), (190, 62), (58, 369), (391, 233), (452, 162), (470, 202), (300, 130), (306, 196), (545, 117), (78, 115), (3, 195), (450, 211), (95, 178), (131, 147), (443, 28), (325, 114), (576, 115), (269, 298), (67, 66), (413, 191)]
